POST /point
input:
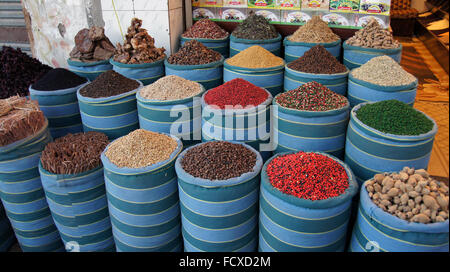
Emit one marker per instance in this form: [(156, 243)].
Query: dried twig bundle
[(19, 118), (74, 153)]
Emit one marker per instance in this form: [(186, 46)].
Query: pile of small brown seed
[(411, 195), (373, 36), (314, 31), (141, 148), (171, 88)]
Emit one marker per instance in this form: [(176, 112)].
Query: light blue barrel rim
[(84, 64), (308, 75), (138, 66), (255, 42), (288, 42), (200, 67), (372, 50), (202, 40), (58, 92), (254, 70)]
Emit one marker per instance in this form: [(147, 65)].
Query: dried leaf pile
[(92, 45), (19, 118), (139, 46), (74, 153)]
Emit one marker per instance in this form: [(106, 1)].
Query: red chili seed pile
[(194, 52), (205, 29), (236, 92), (312, 96), (308, 175), (317, 60)]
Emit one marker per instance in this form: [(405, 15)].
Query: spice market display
[(205, 138)]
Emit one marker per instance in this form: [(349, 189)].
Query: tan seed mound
[(141, 148), (314, 31), (171, 88), (255, 57)]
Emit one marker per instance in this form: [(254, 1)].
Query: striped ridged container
[(6, 233), (218, 45), (79, 208), (181, 118), (89, 70), (378, 231), (147, 73), (23, 196), (335, 82), (355, 56), (273, 45), (360, 91), (61, 109), (290, 224), (294, 50), (144, 206), (270, 79), (369, 151), (209, 75), (250, 126), (219, 215), (114, 116), (323, 131)]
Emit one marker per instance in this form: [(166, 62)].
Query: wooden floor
[(432, 98)]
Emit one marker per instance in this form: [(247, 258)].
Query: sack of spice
[(317, 64), (218, 189), (6, 233), (157, 103), (409, 201), (72, 175), (56, 93), (138, 58), (23, 135), (381, 78), (210, 35), (237, 111), (258, 66), (108, 104), (255, 30), (385, 136), (314, 32), (370, 42), (141, 186), (91, 53), (311, 118), (196, 62), (305, 203)]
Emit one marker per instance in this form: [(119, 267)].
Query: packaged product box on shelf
[(362, 20), (294, 17), (315, 5), (271, 15), (204, 13), (344, 5), (381, 7), (235, 3), (196, 3), (288, 4), (261, 3), (233, 14), (337, 20)]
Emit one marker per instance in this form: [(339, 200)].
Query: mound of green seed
[(394, 117)]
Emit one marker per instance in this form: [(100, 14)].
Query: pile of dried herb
[(255, 27)]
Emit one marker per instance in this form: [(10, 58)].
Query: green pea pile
[(394, 117)]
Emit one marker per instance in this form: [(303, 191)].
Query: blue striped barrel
[(378, 231), (291, 224), (335, 82), (219, 215), (115, 116), (147, 73), (218, 45), (270, 79), (355, 56), (89, 70), (250, 126), (294, 50), (181, 118), (144, 206), (209, 75), (23, 196), (297, 130), (6, 233), (61, 109), (360, 91), (79, 208), (369, 151), (273, 45)]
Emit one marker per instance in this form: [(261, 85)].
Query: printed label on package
[(315, 5), (295, 17), (288, 4), (381, 7), (344, 5), (261, 3), (233, 14), (270, 15), (203, 13), (235, 3)]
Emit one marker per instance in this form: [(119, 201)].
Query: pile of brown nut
[(92, 45), (411, 195), (373, 36), (139, 47)]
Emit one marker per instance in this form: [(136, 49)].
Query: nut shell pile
[(411, 195)]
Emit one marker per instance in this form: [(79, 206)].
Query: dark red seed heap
[(312, 96), (205, 29), (308, 175), (317, 60), (236, 92)]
